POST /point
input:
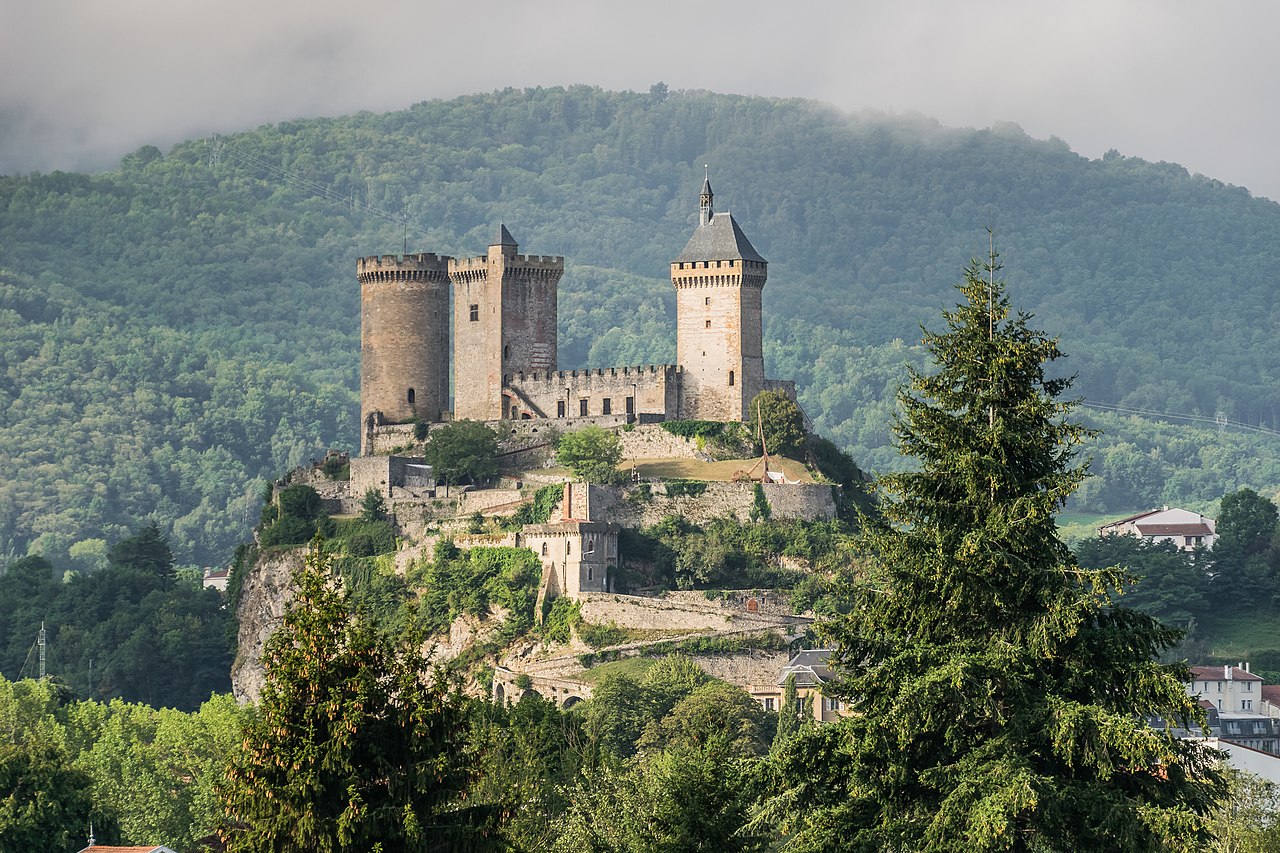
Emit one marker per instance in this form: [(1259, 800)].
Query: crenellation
[(504, 309)]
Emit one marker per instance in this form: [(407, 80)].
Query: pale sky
[(83, 82)]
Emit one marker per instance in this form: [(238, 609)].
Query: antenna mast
[(43, 646)]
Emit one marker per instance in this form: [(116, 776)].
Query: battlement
[(511, 262), (559, 376), (422, 266)]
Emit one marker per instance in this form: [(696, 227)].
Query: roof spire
[(504, 238), (704, 201)]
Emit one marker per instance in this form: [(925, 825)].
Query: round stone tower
[(404, 338)]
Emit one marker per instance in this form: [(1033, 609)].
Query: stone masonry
[(505, 340)]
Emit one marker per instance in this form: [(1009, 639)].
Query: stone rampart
[(651, 441), (628, 506), (638, 612), (392, 438)]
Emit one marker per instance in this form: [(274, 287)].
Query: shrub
[(559, 618), (599, 636), (685, 488)]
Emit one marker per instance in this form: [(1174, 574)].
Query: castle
[(504, 354)]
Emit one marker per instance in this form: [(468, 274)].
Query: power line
[(1218, 421)]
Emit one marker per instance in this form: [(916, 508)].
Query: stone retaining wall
[(626, 506), (631, 611)]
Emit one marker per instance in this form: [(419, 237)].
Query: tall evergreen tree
[(1000, 695), (355, 747)]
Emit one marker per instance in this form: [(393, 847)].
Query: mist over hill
[(174, 331)]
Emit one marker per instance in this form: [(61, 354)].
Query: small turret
[(705, 200)]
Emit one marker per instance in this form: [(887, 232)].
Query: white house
[(1183, 528), (1233, 699)]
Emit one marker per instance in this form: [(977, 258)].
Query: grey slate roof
[(504, 238), (719, 240), (706, 185), (809, 666)]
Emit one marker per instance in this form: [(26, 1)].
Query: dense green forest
[(180, 329)]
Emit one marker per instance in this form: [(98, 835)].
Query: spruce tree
[(356, 747), (1000, 695)]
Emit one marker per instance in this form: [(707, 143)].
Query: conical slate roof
[(719, 240), (504, 238)]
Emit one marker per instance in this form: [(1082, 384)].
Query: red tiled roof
[(1200, 529), (1215, 673), (1207, 705), (1271, 692)]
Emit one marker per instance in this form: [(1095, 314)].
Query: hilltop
[(178, 330)]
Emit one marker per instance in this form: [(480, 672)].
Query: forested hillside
[(175, 331)]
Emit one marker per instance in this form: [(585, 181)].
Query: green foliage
[(1168, 583), (592, 453), (998, 695), (126, 631), (791, 716), (600, 636), (531, 754), (760, 509), (191, 396), (471, 581), (726, 554), (1249, 819), (373, 507), (353, 747), (1246, 556), (462, 452), (149, 774), (853, 498), (293, 518), (537, 511), (361, 538), (559, 620), (685, 488), (781, 420), (336, 467), (686, 799)]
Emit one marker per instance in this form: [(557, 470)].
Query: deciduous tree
[(592, 453)]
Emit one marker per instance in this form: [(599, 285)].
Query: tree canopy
[(592, 453), (462, 452), (356, 746)]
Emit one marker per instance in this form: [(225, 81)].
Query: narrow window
[(566, 549), (544, 549), (768, 704), (607, 406), (582, 407), (708, 324), (730, 378), (475, 312), (506, 352), (590, 573), (410, 396), (559, 408), (631, 405), (706, 300)]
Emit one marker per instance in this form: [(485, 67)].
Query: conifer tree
[(1000, 696), (354, 746)]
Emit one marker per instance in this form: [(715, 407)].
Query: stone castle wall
[(404, 336), (651, 390), (718, 336), (625, 505), (665, 613)]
